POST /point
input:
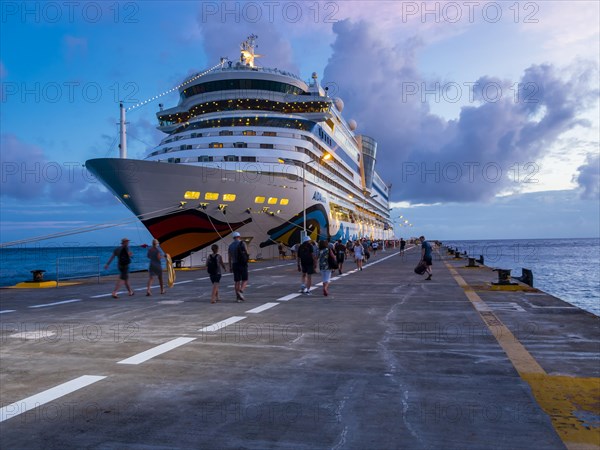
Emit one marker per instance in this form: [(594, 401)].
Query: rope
[(86, 229)]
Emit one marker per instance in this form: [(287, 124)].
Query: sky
[(486, 114)]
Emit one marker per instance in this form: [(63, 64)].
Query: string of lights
[(191, 80)]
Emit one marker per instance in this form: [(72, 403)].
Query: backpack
[(242, 254), (124, 258), (212, 266)]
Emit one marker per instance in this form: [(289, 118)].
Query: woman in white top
[(359, 254)]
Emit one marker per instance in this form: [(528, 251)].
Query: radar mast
[(247, 51)]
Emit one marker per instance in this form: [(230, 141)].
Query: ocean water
[(566, 268), (16, 264)]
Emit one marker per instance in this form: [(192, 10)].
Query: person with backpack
[(340, 254), (123, 255), (306, 264), (327, 263), (238, 265), (155, 267), (214, 264)]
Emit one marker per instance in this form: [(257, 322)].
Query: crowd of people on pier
[(323, 255)]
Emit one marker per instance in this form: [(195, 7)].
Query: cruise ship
[(255, 150)]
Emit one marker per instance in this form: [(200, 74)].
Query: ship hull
[(156, 193)]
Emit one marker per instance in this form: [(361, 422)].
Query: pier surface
[(387, 361)]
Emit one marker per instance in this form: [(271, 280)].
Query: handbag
[(421, 268), (332, 260)]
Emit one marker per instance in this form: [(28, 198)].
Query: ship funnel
[(369, 153), (122, 134)]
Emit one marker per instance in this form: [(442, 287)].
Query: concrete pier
[(387, 361)]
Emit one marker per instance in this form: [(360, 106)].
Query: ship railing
[(77, 267)]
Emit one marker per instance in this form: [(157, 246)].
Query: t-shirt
[(427, 247), (305, 253)]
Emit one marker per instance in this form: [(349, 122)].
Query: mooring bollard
[(472, 263), (503, 277), (38, 275), (457, 254), (526, 277), (480, 260)]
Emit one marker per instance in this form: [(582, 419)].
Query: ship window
[(240, 145), (205, 158), (284, 201), (230, 158), (211, 196), (248, 158), (249, 133), (229, 197), (269, 133), (259, 199), (266, 145), (191, 195), (226, 133), (272, 200), (215, 145)]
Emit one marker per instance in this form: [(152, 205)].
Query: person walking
[(340, 255), (426, 256), (123, 255), (402, 246), (306, 264), (324, 253), (214, 264), (238, 265), (375, 247), (155, 267), (359, 254)]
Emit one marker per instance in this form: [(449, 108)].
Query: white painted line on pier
[(288, 297), (33, 335), (158, 350), (181, 282), (22, 406), (7, 311), (217, 326), (335, 278), (101, 295), (262, 308), (56, 303)]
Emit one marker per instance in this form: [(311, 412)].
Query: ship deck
[(388, 360)]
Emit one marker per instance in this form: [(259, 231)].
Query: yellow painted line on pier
[(572, 403)]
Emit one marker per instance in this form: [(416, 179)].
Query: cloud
[(504, 128), (27, 174), (218, 43), (588, 178)]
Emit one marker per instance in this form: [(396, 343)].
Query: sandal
[(131, 293), (115, 296), (148, 294)]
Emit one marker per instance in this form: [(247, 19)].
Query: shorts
[(155, 271), (240, 272), (124, 273), (215, 278), (308, 269), (428, 260), (340, 257), (326, 275)]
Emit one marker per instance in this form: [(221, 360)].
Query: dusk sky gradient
[(486, 113)]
